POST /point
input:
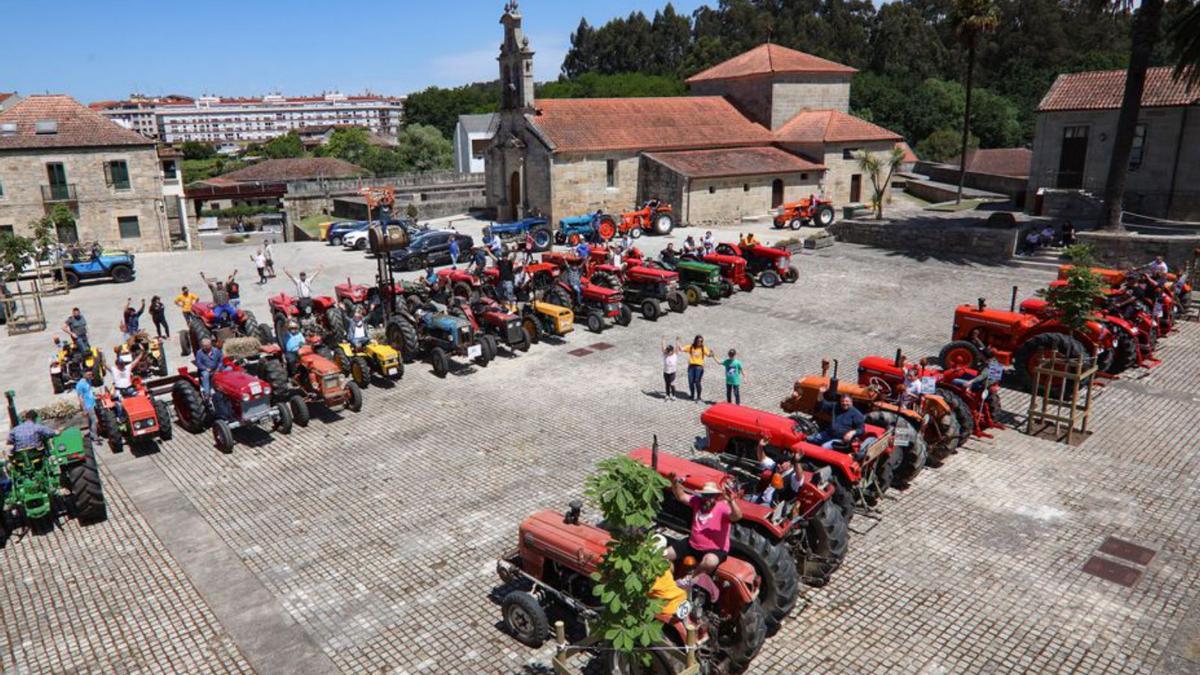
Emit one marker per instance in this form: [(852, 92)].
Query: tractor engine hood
[(237, 384), (651, 275), (445, 322)]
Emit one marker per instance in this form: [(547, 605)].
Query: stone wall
[(794, 92), (840, 172), (1011, 186), (933, 237), (751, 95), (723, 202), (432, 201), (1123, 249), (578, 184), (1065, 204), (23, 174)]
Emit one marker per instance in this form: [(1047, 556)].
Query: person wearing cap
[(713, 513), (87, 401), (292, 343)]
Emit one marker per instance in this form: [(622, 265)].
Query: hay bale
[(60, 409), (241, 347)]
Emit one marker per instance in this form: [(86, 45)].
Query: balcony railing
[(59, 193)]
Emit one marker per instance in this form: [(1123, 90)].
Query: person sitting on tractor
[(223, 312), (29, 433), (665, 587), (669, 255), (303, 288), (713, 513), (291, 346), (583, 250), (209, 360), (76, 327), (1158, 266), (431, 278), (123, 370), (909, 393), (845, 421), (689, 246), (779, 482), (709, 243), (574, 276), (356, 332), (479, 256)]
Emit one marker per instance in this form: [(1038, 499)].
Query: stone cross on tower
[(516, 63)]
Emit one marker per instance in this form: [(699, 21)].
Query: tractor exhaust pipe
[(832, 394), (12, 408), (899, 360), (1012, 304), (654, 454)]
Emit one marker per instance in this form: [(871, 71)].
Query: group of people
[(264, 262), (1045, 237), (698, 354)]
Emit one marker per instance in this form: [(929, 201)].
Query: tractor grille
[(464, 335), (332, 381), (255, 409)]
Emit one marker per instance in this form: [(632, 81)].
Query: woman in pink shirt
[(713, 513)]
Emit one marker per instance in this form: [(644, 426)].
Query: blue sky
[(106, 50)]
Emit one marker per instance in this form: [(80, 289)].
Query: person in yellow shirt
[(185, 300), (751, 240), (697, 353), (665, 588)]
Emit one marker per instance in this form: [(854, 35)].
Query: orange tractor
[(653, 218), (808, 211)]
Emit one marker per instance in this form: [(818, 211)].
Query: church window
[(611, 170)]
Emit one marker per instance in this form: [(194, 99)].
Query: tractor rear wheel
[(792, 275), (560, 296), (775, 566), (824, 215), (607, 228), (354, 397), (87, 494), (440, 361), (1125, 353), (650, 309), (677, 301), (750, 632), (769, 279), (614, 662), (402, 336), (595, 322), (360, 371), (223, 436), (1038, 347), (961, 354), (624, 315), (694, 294), (275, 374), (300, 413), (193, 415), (662, 224), (283, 419), (165, 430), (826, 538), (532, 333), (962, 414), (525, 618)]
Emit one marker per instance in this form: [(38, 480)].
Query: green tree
[(197, 150), (1184, 40), (1075, 300), (628, 494), (996, 121), (880, 169), (618, 85), (423, 148), (972, 19), (942, 145), (287, 145), (352, 144), (439, 107), (581, 57), (904, 45), (14, 252)]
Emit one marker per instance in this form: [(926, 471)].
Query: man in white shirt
[(303, 287), (357, 331)]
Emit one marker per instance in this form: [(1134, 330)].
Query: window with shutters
[(116, 174), (128, 225)]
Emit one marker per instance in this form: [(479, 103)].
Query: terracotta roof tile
[(769, 58), (998, 161), (1103, 90), (78, 126), (300, 168), (677, 123), (733, 162), (909, 156), (831, 126)]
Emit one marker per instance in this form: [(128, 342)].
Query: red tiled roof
[(300, 168), (909, 156), (831, 126), (1103, 90), (769, 58), (678, 123), (998, 161), (733, 162), (78, 126)]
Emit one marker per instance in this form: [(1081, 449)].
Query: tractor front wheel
[(595, 322), (440, 361), (911, 459), (624, 315), (360, 371), (1029, 355), (769, 279), (110, 427), (300, 413), (693, 294), (775, 566), (650, 309), (795, 223), (532, 334), (354, 397), (635, 233), (402, 336), (223, 436), (748, 635), (826, 537), (163, 413), (283, 419), (792, 275), (824, 215), (1125, 356), (961, 354), (525, 618), (962, 414), (87, 494), (677, 301)]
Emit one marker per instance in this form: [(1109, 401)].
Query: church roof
[(1104, 89), (831, 126), (675, 123), (733, 162), (767, 59)]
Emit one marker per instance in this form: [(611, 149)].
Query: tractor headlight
[(245, 396)]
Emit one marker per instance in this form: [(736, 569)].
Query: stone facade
[(717, 202), (1167, 182), (841, 168), (930, 237), (1124, 249), (97, 204), (773, 99)]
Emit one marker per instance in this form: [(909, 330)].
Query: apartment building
[(212, 119)]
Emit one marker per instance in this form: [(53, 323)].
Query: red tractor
[(492, 323), (553, 565), (807, 211), (351, 296), (973, 395), (733, 268), (642, 286), (202, 323), (238, 400), (313, 379), (653, 218), (1021, 341), (734, 433), (601, 307), (135, 420), (1135, 336), (771, 265), (320, 316)]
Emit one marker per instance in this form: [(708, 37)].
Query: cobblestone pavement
[(378, 532)]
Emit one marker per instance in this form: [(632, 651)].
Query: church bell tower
[(516, 63)]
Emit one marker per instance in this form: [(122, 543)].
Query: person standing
[(710, 244), (131, 318), (303, 287), (260, 265), (185, 300), (670, 365), (454, 251), (697, 354), (76, 327), (529, 246), (508, 278), (235, 290), (158, 314), (222, 310), (733, 378), (87, 402), (269, 255)]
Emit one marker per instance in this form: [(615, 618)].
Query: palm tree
[(1184, 37), (1143, 37), (873, 165), (971, 18)]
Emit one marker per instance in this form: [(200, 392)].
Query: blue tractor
[(588, 227), (535, 226), (427, 331), (96, 264)]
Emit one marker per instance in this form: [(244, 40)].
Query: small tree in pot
[(1075, 300)]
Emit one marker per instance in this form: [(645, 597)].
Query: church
[(767, 126)]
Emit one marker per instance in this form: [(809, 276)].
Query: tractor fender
[(839, 461), (1120, 322), (1087, 339)]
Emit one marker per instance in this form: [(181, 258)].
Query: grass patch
[(312, 224)]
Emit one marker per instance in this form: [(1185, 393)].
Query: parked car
[(337, 231), (360, 238), (81, 265), (431, 247)]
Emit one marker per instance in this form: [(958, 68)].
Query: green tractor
[(61, 477), (697, 279)]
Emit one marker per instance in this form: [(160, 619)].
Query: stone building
[(767, 126), (53, 150), (1073, 141)]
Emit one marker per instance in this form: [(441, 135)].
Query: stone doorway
[(777, 193), (514, 195)]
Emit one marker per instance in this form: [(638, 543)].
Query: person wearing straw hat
[(714, 510)]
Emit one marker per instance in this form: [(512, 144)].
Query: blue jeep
[(536, 226), (95, 264)]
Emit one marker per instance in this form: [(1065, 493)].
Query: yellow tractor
[(67, 365), (374, 357), (542, 319)]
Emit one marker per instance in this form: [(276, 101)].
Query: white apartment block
[(213, 119)]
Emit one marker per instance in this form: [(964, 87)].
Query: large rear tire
[(189, 407), (661, 224), (751, 631), (826, 539), (775, 566), (1125, 354), (87, 494), (912, 461), (542, 238), (962, 413), (824, 215), (402, 336), (1028, 355), (163, 412), (275, 374), (677, 301)]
